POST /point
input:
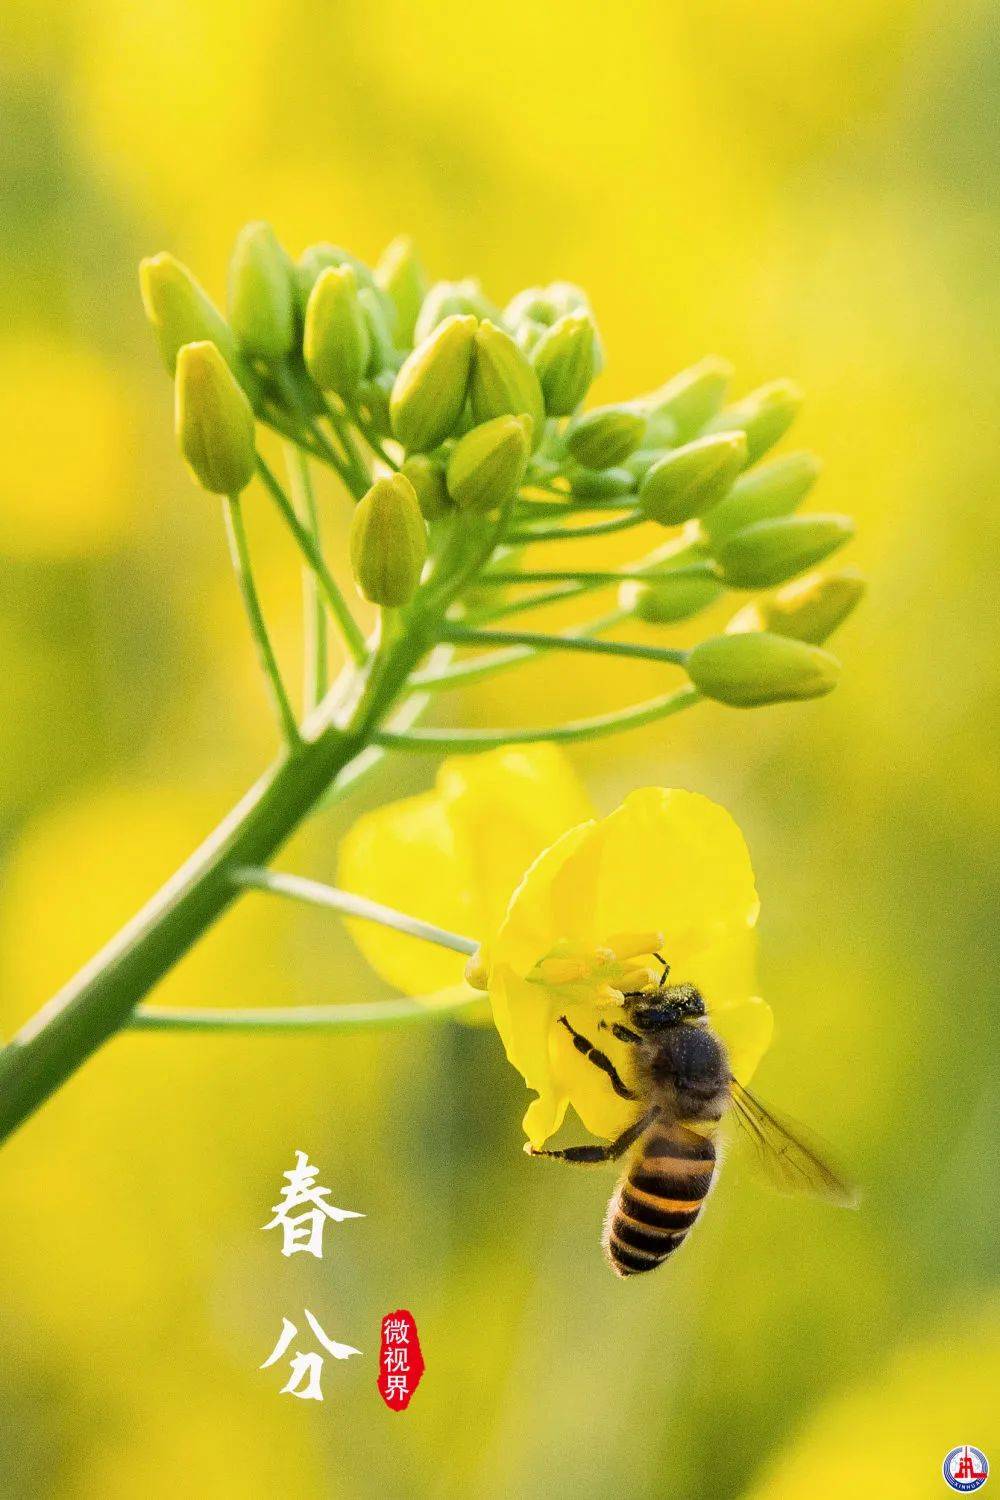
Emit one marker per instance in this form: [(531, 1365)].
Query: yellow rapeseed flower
[(668, 872), (453, 855), (569, 909)]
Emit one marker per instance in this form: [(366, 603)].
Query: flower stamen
[(635, 944), (601, 975)]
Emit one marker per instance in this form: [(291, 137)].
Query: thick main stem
[(100, 999)]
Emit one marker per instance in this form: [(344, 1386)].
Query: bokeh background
[(808, 189)]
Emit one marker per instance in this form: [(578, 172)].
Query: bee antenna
[(666, 969)]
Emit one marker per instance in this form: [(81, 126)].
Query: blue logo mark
[(966, 1469)]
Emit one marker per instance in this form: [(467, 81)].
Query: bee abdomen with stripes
[(658, 1198)]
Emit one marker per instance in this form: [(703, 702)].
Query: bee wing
[(789, 1157)]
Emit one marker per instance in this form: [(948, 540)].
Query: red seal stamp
[(400, 1362)]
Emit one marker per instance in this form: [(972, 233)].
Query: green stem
[(341, 427), (535, 601), (569, 533), (317, 666), (407, 713), (341, 1018), (498, 661), (618, 575), (240, 553), (348, 625), (100, 1000), (667, 558), (290, 381), (371, 438), (459, 635), (301, 439), (313, 892), (568, 504), (469, 741)]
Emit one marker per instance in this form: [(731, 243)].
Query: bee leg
[(611, 1152), (621, 1032), (599, 1059)]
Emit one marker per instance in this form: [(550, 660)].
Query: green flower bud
[(765, 415), (598, 484), (401, 276), (606, 436), (773, 489), (665, 600), (181, 312), (809, 609), (382, 355), (746, 671), (540, 307), (262, 293), (681, 408), (488, 464), (336, 343), (445, 299), (388, 542), (429, 484), (318, 258), (528, 335), (431, 388), (213, 420), (563, 357), (503, 382), (567, 297), (771, 552), (533, 305), (691, 479)]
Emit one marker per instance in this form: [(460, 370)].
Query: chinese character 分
[(304, 1231), (307, 1369)]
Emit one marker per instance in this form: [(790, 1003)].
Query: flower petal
[(524, 1016), (533, 924), (677, 862), (746, 1030), (725, 973), (587, 1088), (454, 855), (404, 855)]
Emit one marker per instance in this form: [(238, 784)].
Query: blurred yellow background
[(809, 190)]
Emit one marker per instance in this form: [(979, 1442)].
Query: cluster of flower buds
[(433, 403)]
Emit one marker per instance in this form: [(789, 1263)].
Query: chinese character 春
[(304, 1380), (304, 1231)]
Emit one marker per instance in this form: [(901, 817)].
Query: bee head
[(668, 1005)]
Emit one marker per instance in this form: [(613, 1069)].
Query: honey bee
[(683, 1082)]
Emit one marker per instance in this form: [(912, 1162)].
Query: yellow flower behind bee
[(570, 910), (453, 855)]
